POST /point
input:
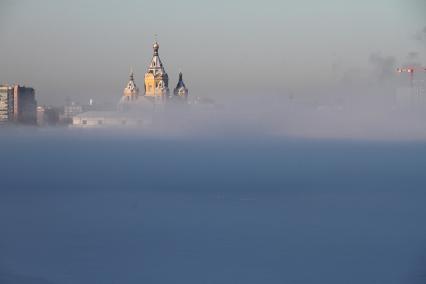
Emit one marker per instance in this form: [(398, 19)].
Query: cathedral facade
[(156, 78), (156, 85)]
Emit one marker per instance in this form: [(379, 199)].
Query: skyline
[(83, 50)]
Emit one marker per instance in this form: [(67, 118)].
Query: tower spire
[(156, 78), (131, 74), (156, 47)]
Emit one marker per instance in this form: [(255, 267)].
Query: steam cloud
[(383, 65), (421, 36)]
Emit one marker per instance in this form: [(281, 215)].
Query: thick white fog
[(362, 113)]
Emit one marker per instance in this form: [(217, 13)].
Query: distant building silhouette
[(48, 116), (24, 105), (6, 104), (70, 110), (18, 104)]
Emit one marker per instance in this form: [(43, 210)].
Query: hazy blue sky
[(84, 49)]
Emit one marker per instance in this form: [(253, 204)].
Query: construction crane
[(411, 71)]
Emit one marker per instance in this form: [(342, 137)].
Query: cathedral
[(135, 109), (156, 87)]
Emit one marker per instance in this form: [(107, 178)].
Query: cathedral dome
[(131, 91), (181, 90)]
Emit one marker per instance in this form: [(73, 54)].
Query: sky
[(85, 49)]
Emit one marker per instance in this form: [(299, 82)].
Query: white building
[(108, 119), (132, 111)]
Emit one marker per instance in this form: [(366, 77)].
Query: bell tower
[(156, 78)]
